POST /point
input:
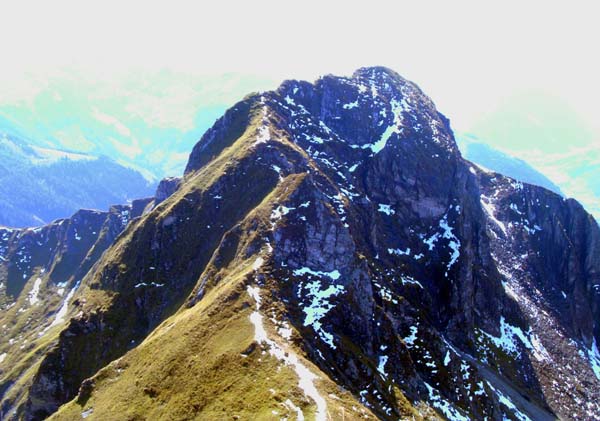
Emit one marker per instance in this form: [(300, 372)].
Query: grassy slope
[(56, 258), (26, 327), (192, 367)]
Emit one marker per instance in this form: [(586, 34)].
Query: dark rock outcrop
[(166, 188), (40, 270)]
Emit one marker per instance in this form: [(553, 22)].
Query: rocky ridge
[(40, 270), (364, 267)]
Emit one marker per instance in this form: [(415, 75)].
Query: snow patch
[(594, 357), (87, 413), (277, 170), (264, 135), (64, 308), (443, 405), (505, 400), (387, 209), (151, 284), (447, 359), (257, 263), (539, 351), (335, 274), (350, 105), (410, 280), (430, 242), (490, 209), (383, 359), (454, 242), (285, 332), (305, 377), (319, 306), (507, 342), (33, 295), (294, 408), (410, 340), (399, 252), (279, 212), (254, 292), (448, 234), (394, 128), (515, 208)]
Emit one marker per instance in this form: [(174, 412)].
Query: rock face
[(337, 222), (40, 271), (166, 188)]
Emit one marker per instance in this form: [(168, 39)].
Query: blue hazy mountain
[(552, 136), (40, 184), (485, 156)]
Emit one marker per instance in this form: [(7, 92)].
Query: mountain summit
[(328, 255)]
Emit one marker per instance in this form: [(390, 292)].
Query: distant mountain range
[(146, 120), (70, 145), (489, 158), (41, 184), (550, 135)]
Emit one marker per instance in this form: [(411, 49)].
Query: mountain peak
[(377, 73), (329, 250), (374, 109)]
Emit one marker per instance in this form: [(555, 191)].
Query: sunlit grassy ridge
[(201, 362)]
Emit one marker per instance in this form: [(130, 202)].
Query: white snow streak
[(594, 357), (62, 312), (394, 128), (264, 135), (490, 209), (305, 376), (33, 294), (387, 209), (443, 405)]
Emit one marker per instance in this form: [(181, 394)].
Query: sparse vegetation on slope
[(329, 242)]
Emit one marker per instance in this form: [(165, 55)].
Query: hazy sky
[(466, 55)]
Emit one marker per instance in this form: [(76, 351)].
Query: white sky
[(465, 55)]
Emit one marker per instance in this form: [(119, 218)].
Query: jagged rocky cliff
[(329, 254), (40, 271)]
